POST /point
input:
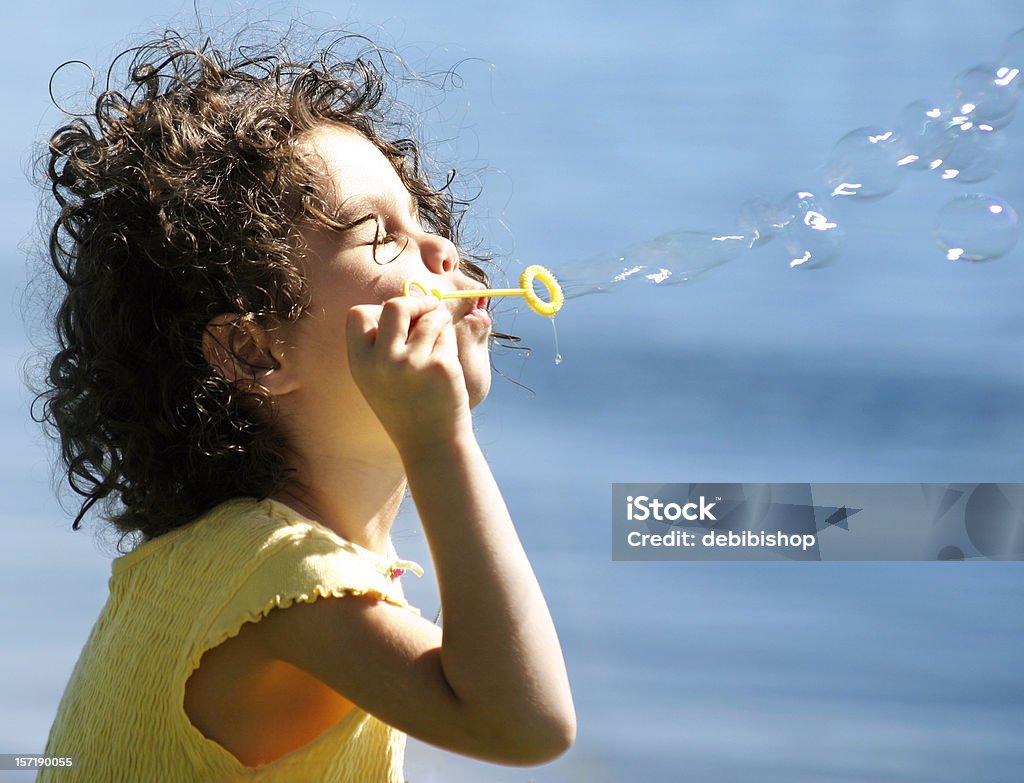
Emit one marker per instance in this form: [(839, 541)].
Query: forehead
[(357, 172)]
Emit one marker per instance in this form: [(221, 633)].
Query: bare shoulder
[(256, 706), (381, 656)]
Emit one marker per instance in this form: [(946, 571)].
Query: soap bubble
[(811, 238), (865, 164), (596, 275), (924, 136), (976, 227), (976, 154), (986, 95), (677, 257), (681, 256)]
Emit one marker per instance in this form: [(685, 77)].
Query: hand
[(404, 358)]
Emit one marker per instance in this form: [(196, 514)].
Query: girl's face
[(368, 263)]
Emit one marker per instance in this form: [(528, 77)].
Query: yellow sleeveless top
[(179, 595)]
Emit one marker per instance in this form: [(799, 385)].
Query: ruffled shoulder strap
[(298, 561)]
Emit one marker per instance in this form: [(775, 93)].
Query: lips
[(479, 311), (476, 309), (482, 314)]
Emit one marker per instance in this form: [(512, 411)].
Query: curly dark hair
[(181, 195)]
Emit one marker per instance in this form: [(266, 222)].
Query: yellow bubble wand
[(536, 272)]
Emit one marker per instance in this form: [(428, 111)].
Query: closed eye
[(387, 246)]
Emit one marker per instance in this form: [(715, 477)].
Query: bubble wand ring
[(536, 272)]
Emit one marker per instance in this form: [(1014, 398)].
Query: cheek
[(477, 395), (345, 279), (476, 367), (315, 345), (379, 285)]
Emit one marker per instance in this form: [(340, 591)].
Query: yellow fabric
[(175, 597)]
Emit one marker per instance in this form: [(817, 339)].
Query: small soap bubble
[(810, 236), (985, 95), (865, 164), (976, 154), (924, 137), (977, 227)]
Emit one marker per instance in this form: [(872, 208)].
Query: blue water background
[(592, 126)]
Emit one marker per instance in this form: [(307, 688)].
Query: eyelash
[(388, 238)]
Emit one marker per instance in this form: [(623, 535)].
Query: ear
[(241, 351)]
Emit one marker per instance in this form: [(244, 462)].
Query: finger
[(446, 342), (425, 332), (396, 317)]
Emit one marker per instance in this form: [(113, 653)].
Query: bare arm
[(500, 650), (492, 684)]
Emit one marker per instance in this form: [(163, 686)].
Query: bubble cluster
[(959, 140)]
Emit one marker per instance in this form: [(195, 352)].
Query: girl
[(243, 387)]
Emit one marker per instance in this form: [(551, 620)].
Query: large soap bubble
[(977, 227), (986, 94), (865, 164)]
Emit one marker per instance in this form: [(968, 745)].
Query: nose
[(439, 254)]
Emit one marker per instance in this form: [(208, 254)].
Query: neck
[(357, 499)]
